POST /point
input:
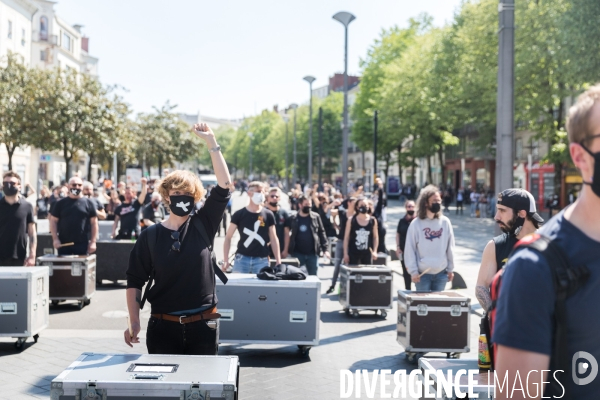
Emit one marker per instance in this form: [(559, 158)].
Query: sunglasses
[(74, 185), (175, 236), (274, 196)]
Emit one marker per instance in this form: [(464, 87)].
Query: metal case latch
[(193, 393), (91, 393), (358, 278), (455, 310), (422, 310), (382, 278), (76, 269)]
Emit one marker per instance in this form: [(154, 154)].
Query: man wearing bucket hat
[(517, 216)]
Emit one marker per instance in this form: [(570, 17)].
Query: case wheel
[(80, 306), (19, 343), (347, 311), (453, 355), (383, 313), (304, 350), (413, 358), (35, 338), (54, 302), (355, 313), (87, 302)]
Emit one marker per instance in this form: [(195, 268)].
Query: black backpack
[(153, 238)]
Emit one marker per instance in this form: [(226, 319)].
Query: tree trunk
[(10, 149), (388, 157), (399, 149), (67, 160), (429, 175), (442, 166), (160, 165), (89, 171), (413, 171)]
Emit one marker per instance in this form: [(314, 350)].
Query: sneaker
[(330, 290)]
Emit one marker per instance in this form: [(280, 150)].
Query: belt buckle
[(182, 316)]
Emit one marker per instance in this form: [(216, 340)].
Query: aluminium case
[(366, 287), (483, 387), (24, 301), (112, 259), (433, 321), (294, 262), (269, 312), (71, 277), (158, 377)]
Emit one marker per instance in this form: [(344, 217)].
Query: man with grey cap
[(517, 216)]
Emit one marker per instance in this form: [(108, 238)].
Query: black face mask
[(306, 209), (362, 209), (410, 212), (181, 205), (435, 208), (273, 204), (9, 189), (75, 191), (595, 183)]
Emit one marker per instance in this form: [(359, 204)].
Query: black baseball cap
[(520, 199)]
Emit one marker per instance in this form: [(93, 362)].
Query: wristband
[(214, 149)]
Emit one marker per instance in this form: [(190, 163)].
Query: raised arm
[(142, 197), (204, 132)]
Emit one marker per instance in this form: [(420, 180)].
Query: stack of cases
[(112, 259), (433, 322), (294, 262), (71, 277), (269, 312), (137, 376), (366, 287), (24, 302)]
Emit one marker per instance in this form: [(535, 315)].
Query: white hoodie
[(429, 244)]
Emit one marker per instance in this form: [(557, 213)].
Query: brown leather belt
[(211, 313)]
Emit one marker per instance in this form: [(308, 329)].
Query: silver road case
[(112, 260), (71, 277), (140, 376), (433, 322), (294, 262), (270, 312), (366, 287), (24, 302), (483, 381)]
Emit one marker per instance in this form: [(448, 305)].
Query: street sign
[(45, 158)]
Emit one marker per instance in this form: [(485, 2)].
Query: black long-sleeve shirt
[(183, 280)]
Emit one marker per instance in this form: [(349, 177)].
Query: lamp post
[(287, 174), (250, 135), (294, 177), (345, 18), (310, 80)]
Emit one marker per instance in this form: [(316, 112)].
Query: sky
[(232, 58)]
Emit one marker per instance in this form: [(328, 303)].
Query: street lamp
[(310, 80), (286, 119), (294, 107), (345, 18), (250, 135)]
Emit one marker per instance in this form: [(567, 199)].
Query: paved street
[(268, 372)]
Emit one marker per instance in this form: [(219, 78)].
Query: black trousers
[(12, 262), (195, 338), (360, 258), (459, 206), (406, 276)]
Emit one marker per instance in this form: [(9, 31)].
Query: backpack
[(567, 280), (153, 238)]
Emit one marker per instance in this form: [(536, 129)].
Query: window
[(519, 149), (23, 36), (66, 42), (9, 29), (43, 55), (43, 28), (535, 150)]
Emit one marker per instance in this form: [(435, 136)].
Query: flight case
[(294, 262), (112, 259), (366, 287), (433, 321), (71, 277), (269, 312), (24, 302), (157, 376), (44, 245)]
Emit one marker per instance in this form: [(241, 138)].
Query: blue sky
[(232, 58)]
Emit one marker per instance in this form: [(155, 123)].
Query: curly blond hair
[(184, 181)]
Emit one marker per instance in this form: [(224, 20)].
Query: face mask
[(362, 209), (61, 195), (410, 212), (306, 209), (181, 205), (595, 183), (75, 192), (156, 203), (435, 208), (9, 189), (258, 198), (273, 204)]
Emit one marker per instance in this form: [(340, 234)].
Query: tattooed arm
[(134, 299), (487, 270)]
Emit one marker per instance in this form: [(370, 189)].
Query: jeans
[(310, 261), (433, 282), (249, 265), (339, 255), (195, 338), (473, 209)]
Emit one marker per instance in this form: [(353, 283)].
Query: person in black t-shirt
[(361, 236), (344, 212), (154, 212), (16, 224), (88, 191), (517, 216), (401, 231), (128, 214), (184, 317), (70, 220), (256, 226), (282, 222), (308, 237)]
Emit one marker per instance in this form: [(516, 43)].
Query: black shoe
[(330, 290)]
